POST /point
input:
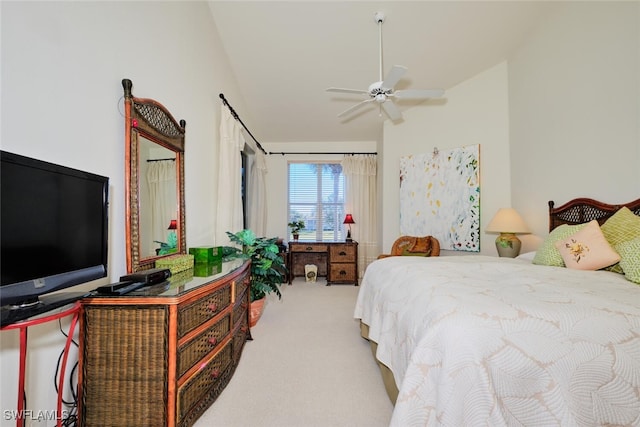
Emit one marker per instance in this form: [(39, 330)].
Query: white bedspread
[(475, 340)]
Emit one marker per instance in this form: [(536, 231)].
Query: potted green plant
[(267, 266), (296, 227)]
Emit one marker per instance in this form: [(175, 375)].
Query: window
[(316, 196)]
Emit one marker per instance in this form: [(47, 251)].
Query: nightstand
[(343, 263)]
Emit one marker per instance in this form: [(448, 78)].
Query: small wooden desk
[(337, 261)]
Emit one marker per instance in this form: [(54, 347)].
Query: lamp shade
[(173, 225), (348, 219), (507, 220)]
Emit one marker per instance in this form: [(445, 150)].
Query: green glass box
[(204, 269), (206, 254)]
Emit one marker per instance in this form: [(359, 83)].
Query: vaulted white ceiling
[(285, 54)]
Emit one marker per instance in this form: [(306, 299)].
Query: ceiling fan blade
[(355, 107), (342, 90), (418, 93), (392, 111), (393, 77)]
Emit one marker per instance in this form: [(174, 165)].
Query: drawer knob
[(343, 253), (343, 273), (213, 307), (309, 248), (213, 340)]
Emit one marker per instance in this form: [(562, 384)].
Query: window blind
[(316, 196)]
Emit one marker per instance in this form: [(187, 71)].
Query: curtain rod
[(235, 116), (161, 160), (319, 152)]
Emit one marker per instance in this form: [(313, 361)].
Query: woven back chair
[(416, 246)]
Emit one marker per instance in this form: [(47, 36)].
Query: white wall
[(277, 177), (574, 96), (62, 66), (475, 112), (560, 119)]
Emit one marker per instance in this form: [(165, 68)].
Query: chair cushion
[(421, 245), (407, 252)]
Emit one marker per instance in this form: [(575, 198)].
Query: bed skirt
[(387, 375)]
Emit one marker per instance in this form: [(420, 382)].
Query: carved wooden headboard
[(579, 211)]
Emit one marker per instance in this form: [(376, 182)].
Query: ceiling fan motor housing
[(377, 92)]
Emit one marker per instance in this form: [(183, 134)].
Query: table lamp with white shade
[(507, 222)]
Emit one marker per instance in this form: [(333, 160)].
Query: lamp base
[(508, 245), (348, 239)]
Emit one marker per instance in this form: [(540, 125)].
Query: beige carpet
[(307, 366)]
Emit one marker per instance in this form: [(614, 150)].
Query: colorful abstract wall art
[(440, 196)]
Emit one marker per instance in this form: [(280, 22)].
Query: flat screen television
[(53, 231)]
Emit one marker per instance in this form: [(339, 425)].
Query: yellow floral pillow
[(587, 249)]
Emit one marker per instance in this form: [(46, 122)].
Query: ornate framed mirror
[(154, 181)]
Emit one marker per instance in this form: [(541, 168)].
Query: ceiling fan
[(382, 91)]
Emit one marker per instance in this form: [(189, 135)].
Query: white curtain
[(361, 201), (161, 179), (229, 203), (257, 192)]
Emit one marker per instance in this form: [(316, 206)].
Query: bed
[(478, 340)]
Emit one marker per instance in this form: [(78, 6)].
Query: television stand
[(46, 303), (22, 327)]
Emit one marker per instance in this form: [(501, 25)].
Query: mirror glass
[(158, 199), (155, 213)]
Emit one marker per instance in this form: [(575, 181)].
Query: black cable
[(70, 418)]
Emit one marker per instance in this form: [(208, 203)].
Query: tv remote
[(130, 288), (120, 288), (108, 289)]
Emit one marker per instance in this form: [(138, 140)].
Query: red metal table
[(22, 326)]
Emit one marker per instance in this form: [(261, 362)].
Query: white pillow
[(527, 256)]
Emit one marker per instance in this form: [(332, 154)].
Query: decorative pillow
[(547, 253), (630, 262), (623, 226), (587, 249)]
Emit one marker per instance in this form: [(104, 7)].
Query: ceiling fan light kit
[(382, 90)]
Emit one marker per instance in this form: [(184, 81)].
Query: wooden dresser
[(337, 261), (161, 356)]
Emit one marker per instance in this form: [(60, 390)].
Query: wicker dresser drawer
[(190, 353), (241, 284), (342, 273), (240, 308), (308, 247), (240, 338), (191, 315), (342, 253), (206, 385)]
